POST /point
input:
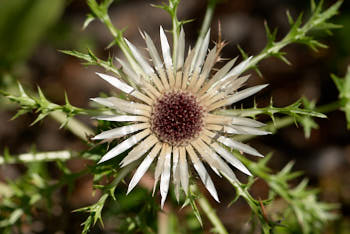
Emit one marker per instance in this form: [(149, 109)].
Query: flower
[(173, 117)]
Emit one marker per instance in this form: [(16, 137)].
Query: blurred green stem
[(207, 20), (37, 157), (209, 211), (73, 125), (120, 41), (211, 214)]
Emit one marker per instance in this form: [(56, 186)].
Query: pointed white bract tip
[(207, 35), (162, 35), (185, 191), (94, 138), (127, 42), (216, 198), (162, 202), (182, 30), (154, 187), (249, 58), (264, 86), (130, 188), (255, 153), (102, 101), (102, 160), (161, 29), (142, 33)]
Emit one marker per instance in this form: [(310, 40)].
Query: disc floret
[(177, 118)]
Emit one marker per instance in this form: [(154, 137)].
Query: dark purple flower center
[(176, 118)]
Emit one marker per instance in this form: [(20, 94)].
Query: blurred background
[(33, 32)]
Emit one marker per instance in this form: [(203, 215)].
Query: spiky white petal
[(239, 146), (116, 83), (237, 70), (246, 122), (245, 93), (120, 132), (230, 158), (214, 160), (186, 69), (139, 150), (125, 145), (124, 106), (130, 73), (201, 54), (176, 172), (209, 63), (180, 50), (183, 170), (156, 60), (218, 76), (245, 130), (237, 97), (165, 50), (202, 172), (122, 118), (165, 177), (167, 57), (144, 64), (160, 165), (141, 170)]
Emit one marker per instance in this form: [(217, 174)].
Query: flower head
[(173, 119)]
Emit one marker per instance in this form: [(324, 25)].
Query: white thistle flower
[(173, 120)]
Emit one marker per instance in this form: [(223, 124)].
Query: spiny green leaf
[(40, 117), (92, 59), (190, 199), (94, 211), (343, 86), (290, 18)]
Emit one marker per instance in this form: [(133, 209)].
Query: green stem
[(73, 125), (278, 123), (207, 20), (210, 212), (119, 39), (175, 33), (38, 157), (124, 172), (298, 34), (242, 190)]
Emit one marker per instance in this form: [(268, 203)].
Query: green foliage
[(299, 33), (91, 59), (94, 213), (34, 190), (293, 110), (302, 111), (22, 25), (171, 8), (41, 105), (191, 200), (306, 121), (100, 11), (343, 86), (310, 213)]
